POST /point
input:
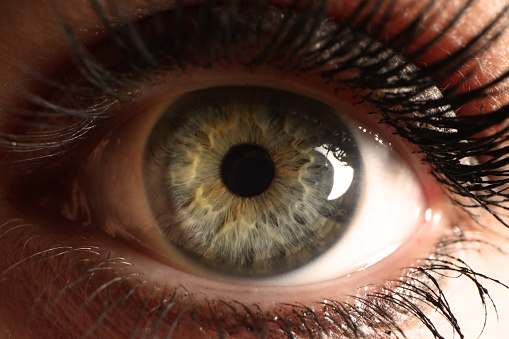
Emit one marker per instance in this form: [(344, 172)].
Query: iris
[(251, 177)]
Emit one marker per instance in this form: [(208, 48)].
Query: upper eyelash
[(397, 82), (113, 84)]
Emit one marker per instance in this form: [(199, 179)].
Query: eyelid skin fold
[(435, 20), (91, 30)]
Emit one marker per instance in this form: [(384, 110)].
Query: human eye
[(98, 235)]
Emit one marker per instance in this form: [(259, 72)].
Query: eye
[(252, 183), (147, 176)]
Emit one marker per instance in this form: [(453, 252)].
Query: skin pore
[(50, 259)]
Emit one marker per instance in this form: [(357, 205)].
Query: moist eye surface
[(256, 181)]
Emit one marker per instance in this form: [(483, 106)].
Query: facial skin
[(43, 253)]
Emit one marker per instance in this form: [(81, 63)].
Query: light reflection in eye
[(343, 174)]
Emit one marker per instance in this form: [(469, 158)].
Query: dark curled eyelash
[(394, 82), (398, 89)]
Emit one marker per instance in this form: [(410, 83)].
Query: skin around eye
[(26, 239)]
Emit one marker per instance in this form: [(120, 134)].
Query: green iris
[(247, 180)]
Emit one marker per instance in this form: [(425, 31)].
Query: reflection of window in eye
[(82, 260)]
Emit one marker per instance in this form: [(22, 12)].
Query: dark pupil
[(247, 170)]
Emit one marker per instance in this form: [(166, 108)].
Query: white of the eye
[(343, 174), (391, 208)]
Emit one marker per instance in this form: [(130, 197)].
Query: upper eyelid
[(94, 29), (89, 29), (95, 22)]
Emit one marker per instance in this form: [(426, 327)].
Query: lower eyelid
[(97, 271), (114, 274)]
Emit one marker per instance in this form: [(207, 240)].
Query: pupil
[(247, 170)]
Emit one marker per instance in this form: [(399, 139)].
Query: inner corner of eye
[(263, 186)]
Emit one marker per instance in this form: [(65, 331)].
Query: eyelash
[(443, 139)]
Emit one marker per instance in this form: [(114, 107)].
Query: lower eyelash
[(377, 314), (101, 290)]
